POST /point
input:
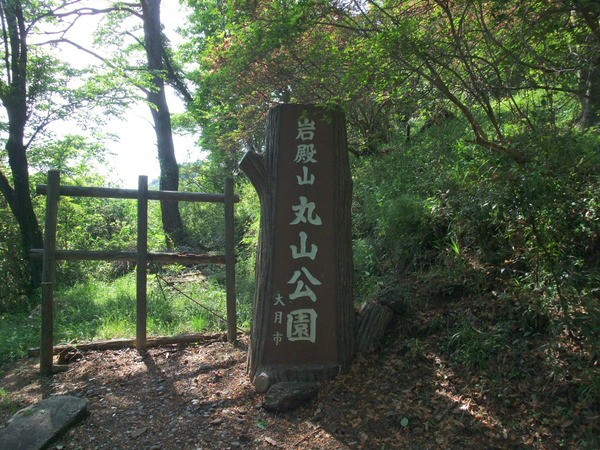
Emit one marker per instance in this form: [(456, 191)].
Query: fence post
[(49, 273), (142, 263), (230, 263)]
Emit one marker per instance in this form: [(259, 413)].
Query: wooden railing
[(50, 254)]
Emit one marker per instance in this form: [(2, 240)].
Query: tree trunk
[(169, 170), (316, 249), (19, 199), (14, 99), (374, 320), (591, 98), (590, 74)]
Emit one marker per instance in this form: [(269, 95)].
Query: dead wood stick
[(117, 344), (311, 434)]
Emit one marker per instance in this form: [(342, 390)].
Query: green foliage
[(106, 310), (75, 156), (19, 331), (399, 196), (7, 403), (205, 223), (13, 268), (475, 173), (476, 348), (85, 223), (247, 231), (444, 219)]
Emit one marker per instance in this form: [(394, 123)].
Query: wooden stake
[(49, 273), (230, 262), (142, 263)]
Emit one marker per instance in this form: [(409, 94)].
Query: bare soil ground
[(406, 395)]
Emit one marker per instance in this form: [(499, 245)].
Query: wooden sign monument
[(303, 318)]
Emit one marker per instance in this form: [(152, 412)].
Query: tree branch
[(590, 17), (135, 38), (481, 137), (174, 77), (99, 57), (81, 12), (6, 47), (516, 58), (6, 189)]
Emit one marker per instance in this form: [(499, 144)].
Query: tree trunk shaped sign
[(303, 319)]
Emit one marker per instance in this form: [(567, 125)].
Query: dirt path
[(406, 396)]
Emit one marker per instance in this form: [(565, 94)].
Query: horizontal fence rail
[(50, 254), (118, 344), (98, 192), (107, 255)]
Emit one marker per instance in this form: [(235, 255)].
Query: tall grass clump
[(97, 309), (445, 218)]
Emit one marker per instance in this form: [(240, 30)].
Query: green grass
[(17, 333), (477, 348), (106, 310), (7, 403)]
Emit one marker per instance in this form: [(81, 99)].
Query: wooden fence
[(50, 254)]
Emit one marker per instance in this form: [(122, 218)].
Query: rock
[(138, 432), (289, 395), (37, 426), (262, 381)]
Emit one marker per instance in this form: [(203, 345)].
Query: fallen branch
[(117, 344), (312, 433)]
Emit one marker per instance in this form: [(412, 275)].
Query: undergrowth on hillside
[(96, 310)]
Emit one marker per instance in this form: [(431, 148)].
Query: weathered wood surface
[(98, 192), (374, 320), (110, 255), (230, 262), (141, 256), (262, 172), (151, 342), (49, 273), (141, 285)]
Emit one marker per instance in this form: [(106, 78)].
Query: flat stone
[(138, 432), (289, 395), (36, 426), (262, 382)]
